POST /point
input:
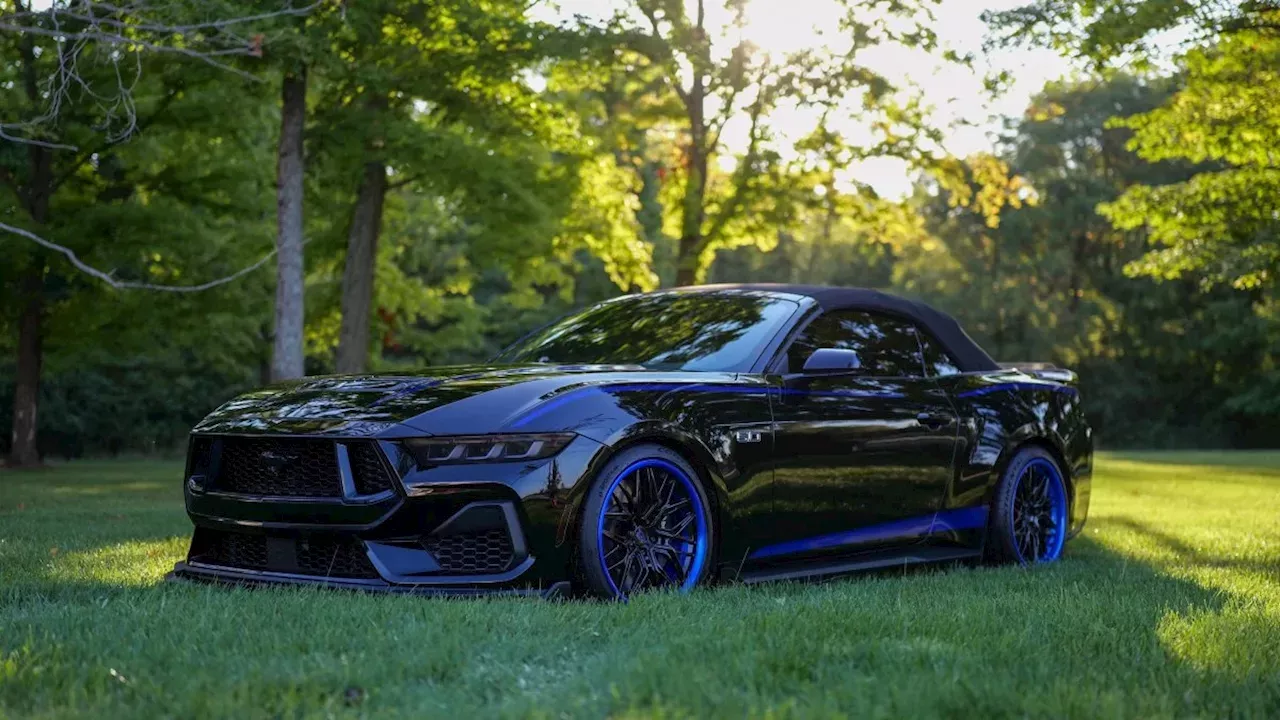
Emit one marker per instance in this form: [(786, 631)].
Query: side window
[(886, 345), (937, 361)]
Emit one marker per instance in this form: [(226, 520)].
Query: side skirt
[(874, 561)]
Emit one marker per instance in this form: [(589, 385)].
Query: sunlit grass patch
[(1240, 641), (140, 562)]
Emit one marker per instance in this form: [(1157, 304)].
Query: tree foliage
[(1222, 222), (685, 82)]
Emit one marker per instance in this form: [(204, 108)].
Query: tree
[(430, 99), (1222, 221), (1133, 32), (421, 67), (719, 78), (290, 316), (1048, 283), (55, 56)]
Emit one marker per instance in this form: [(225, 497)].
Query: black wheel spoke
[(627, 582), (676, 566), (670, 534), (626, 556), (682, 525), (670, 485), (674, 552)]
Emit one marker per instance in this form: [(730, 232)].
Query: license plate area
[(282, 554)]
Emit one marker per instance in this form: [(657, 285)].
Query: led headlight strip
[(486, 448)]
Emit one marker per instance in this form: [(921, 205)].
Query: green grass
[(1168, 605)]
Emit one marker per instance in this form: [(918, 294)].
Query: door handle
[(933, 421)]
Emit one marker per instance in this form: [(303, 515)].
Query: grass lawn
[(1168, 605)]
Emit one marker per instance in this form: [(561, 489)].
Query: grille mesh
[(368, 472), (289, 467), (332, 557), (482, 552), (201, 452), (231, 549)]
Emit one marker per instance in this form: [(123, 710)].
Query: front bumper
[(493, 528)]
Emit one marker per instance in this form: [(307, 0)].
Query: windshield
[(721, 331)]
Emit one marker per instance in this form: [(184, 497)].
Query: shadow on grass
[(1186, 553)]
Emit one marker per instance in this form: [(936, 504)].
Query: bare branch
[(716, 127), (664, 42), (116, 35), (741, 174), (29, 141), (137, 23), (127, 285)]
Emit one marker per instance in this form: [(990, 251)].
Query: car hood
[(453, 400)]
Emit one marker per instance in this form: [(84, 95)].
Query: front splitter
[(207, 574)]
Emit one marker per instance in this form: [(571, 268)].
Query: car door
[(863, 457)]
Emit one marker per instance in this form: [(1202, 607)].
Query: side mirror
[(832, 360)]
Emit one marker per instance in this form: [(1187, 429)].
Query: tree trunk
[(23, 452), (694, 210), (689, 255), (1078, 255), (287, 348), (357, 277)]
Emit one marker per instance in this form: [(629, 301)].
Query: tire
[(1030, 512), (646, 524)]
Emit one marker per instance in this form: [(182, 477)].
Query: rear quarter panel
[(1001, 412)]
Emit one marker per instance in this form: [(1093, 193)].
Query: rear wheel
[(647, 525), (1029, 518)]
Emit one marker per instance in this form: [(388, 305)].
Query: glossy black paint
[(855, 452), (809, 474)]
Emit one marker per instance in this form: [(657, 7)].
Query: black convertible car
[(750, 433)]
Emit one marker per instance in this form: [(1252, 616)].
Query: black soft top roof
[(968, 355)]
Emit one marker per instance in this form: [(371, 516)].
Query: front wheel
[(647, 525), (1029, 514)]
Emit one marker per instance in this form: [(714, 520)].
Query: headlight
[(486, 448)]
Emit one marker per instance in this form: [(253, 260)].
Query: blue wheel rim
[(1038, 513), (652, 529)]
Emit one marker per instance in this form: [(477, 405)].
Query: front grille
[(324, 556), (368, 472), (480, 552), (292, 467), (287, 467)]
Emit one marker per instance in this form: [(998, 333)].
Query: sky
[(957, 94)]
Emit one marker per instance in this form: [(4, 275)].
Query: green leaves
[(1222, 225)]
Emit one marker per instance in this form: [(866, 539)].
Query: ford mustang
[(656, 441)]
